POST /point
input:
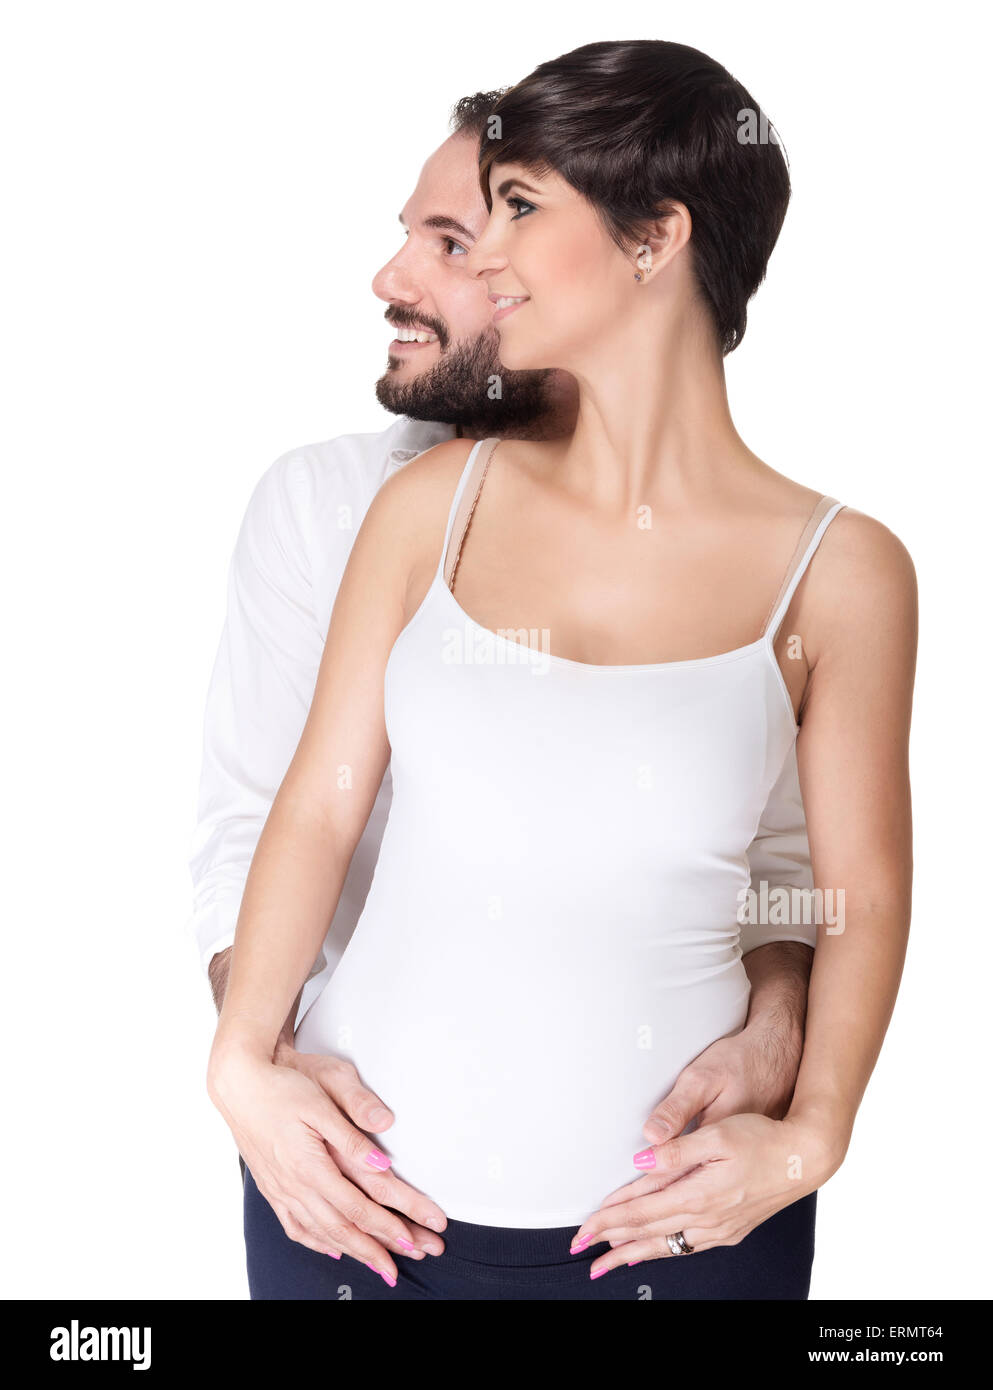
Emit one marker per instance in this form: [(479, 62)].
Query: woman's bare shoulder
[(863, 587), (429, 480), (862, 539), (855, 543), (417, 498), (403, 531), (860, 582)]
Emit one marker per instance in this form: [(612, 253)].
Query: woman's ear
[(663, 238)]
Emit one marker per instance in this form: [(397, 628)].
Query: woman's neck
[(653, 420)]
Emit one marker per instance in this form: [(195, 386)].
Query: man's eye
[(523, 207), (454, 248)]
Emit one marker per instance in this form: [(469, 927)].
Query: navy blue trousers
[(496, 1263)]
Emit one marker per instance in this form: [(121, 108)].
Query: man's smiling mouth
[(415, 335), (411, 338)]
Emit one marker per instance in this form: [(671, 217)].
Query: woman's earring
[(637, 274)]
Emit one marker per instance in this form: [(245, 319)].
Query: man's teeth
[(415, 335), (506, 302)]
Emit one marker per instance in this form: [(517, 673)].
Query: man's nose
[(394, 284)]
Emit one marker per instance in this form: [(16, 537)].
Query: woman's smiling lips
[(507, 303)]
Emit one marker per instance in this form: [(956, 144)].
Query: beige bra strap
[(824, 505), (466, 507)]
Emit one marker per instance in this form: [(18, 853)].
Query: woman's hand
[(715, 1185), (340, 1080), (327, 1183)]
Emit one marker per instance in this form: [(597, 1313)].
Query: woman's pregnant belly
[(521, 1044)]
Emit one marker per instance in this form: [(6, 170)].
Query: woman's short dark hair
[(633, 125)]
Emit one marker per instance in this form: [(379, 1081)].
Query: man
[(443, 377)]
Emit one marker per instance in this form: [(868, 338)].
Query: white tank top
[(551, 933)]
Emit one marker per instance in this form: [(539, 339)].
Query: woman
[(586, 661)]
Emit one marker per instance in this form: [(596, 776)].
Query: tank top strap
[(464, 504), (456, 499), (824, 512)]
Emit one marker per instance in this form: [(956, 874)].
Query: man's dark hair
[(632, 125), (471, 114)]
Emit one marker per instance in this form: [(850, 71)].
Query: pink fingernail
[(392, 1282), (580, 1244), (645, 1159), (633, 1262), (332, 1254), (379, 1161), (595, 1273), (407, 1244)]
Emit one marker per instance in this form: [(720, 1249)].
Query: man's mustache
[(408, 318)]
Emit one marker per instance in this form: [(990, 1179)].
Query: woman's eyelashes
[(523, 207)]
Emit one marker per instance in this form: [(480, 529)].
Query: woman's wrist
[(233, 1052), (823, 1132)]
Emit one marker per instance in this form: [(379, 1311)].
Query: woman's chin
[(520, 357)]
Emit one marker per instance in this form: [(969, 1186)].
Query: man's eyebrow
[(449, 224), (441, 222), (508, 184)]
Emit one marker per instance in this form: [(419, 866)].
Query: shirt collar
[(408, 438)]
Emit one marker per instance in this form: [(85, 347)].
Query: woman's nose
[(485, 256)]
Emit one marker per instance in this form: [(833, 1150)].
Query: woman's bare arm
[(325, 798), (330, 786), (853, 757)]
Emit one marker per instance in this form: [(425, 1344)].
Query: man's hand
[(753, 1072)]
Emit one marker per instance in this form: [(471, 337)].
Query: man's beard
[(468, 387)]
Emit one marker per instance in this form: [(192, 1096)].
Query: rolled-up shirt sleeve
[(779, 858), (258, 698)]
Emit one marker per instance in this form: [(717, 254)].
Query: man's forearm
[(218, 970), (774, 1028), (779, 974)]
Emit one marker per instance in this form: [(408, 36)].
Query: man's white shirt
[(283, 577)]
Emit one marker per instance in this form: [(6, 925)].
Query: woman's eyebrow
[(508, 184)]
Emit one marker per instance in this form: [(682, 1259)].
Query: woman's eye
[(453, 248), (523, 207)]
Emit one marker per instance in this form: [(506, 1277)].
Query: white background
[(196, 198)]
